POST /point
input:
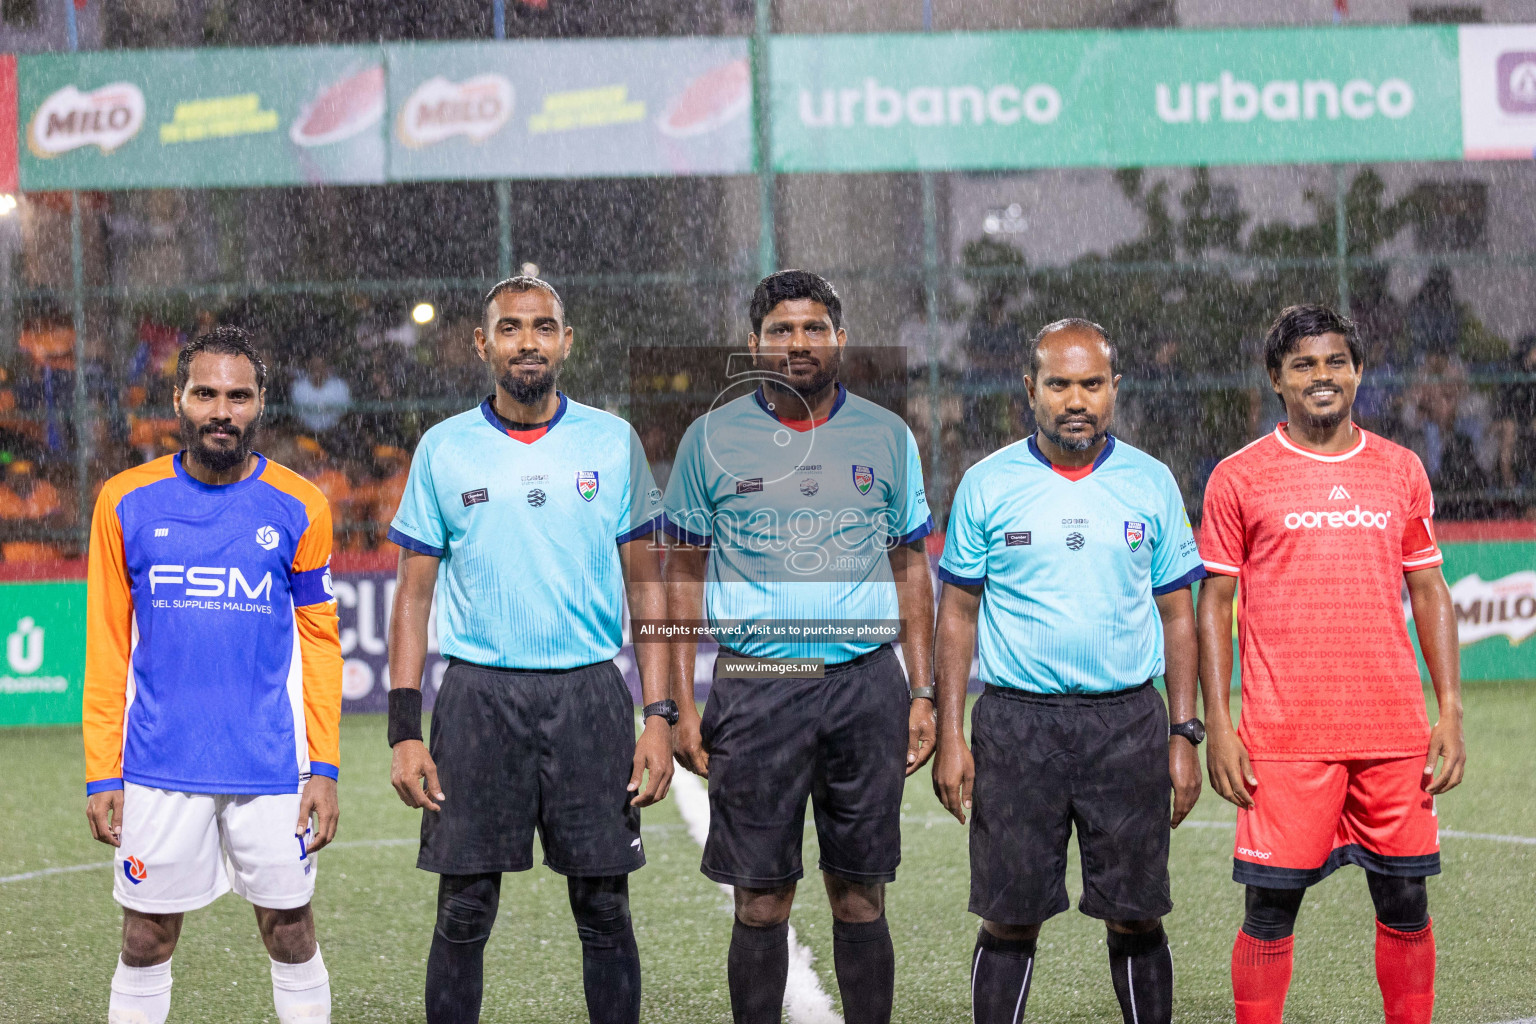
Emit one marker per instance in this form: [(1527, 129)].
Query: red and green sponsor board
[(570, 108), (1493, 585), (836, 103), (43, 668), (202, 118)]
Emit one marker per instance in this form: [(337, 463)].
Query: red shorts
[(1311, 817)]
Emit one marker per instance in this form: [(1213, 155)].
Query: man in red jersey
[(1335, 761)]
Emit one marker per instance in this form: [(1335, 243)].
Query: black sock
[(1142, 968), (758, 967), (610, 960), (866, 969), (1001, 970), (466, 910)]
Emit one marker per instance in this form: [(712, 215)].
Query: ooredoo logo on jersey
[(1350, 519)]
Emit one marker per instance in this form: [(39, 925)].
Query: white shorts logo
[(1244, 851)]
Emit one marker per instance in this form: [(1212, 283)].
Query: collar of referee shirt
[(1073, 473), (526, 433), (802, 425)]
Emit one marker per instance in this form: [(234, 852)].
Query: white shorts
[(182, 851)]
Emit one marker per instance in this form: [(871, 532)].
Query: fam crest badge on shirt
[(863, 478), (586, 484), (1135, 533)]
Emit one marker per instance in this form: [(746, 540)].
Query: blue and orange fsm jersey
[(213, 663)]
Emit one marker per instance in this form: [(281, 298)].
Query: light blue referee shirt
[(528, 534), (799, 521), (1070, 568)]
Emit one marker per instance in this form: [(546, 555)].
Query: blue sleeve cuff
[(330, 771), (312, 586), (645, 529), (698, 540), (410, 543), (102, 786), (960, 581), (1197, 573), (917, 534)]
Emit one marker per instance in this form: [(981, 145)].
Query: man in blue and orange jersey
[(213, 688)]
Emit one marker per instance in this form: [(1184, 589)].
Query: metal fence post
[(931, 309), (503, 187), (1341, 236), (762, 24), (931, 304), (83, 420)]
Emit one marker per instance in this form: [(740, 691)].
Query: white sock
[(302, 992), (140, 995)]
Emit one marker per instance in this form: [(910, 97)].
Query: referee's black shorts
[(1047, 763), (840, 741), (519, 752)]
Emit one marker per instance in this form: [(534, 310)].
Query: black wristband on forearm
[(404, 714)]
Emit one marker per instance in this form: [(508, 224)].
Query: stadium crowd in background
[(351, 394)]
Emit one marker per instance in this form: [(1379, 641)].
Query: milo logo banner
[(42, 664), (1493, 587), (202, 118), (1042, 99), (575, 108)]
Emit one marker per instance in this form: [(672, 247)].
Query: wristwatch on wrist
[(1192, 730), (663, 708), (922, 693)]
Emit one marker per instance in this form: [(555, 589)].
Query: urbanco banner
[(974, 101)]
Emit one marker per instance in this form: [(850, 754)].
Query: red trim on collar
[(527, 436), (1073, 473), (804, 425)]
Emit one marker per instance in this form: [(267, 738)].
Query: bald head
[(1072, 331)]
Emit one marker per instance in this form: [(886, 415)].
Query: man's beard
[(220, 460), (1076, 444), (809, 387), (528, 390), (1325, 421)]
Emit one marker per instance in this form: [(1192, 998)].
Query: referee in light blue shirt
[(533, 518), (799, 505), (1071, 555)]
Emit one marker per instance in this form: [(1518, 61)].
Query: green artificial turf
[(59, 933)]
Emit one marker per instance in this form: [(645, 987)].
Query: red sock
[(1405, 970), (1261, 975)]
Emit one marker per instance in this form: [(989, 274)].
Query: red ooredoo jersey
[(1319, 544)]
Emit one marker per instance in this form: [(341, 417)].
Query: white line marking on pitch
[(804, 998), (698, 828), (1495, 838), (45, 872)]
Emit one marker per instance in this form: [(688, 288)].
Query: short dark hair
[(1297, 322), (1079, 323), (521, 283), (226, 340), (788, 285)]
